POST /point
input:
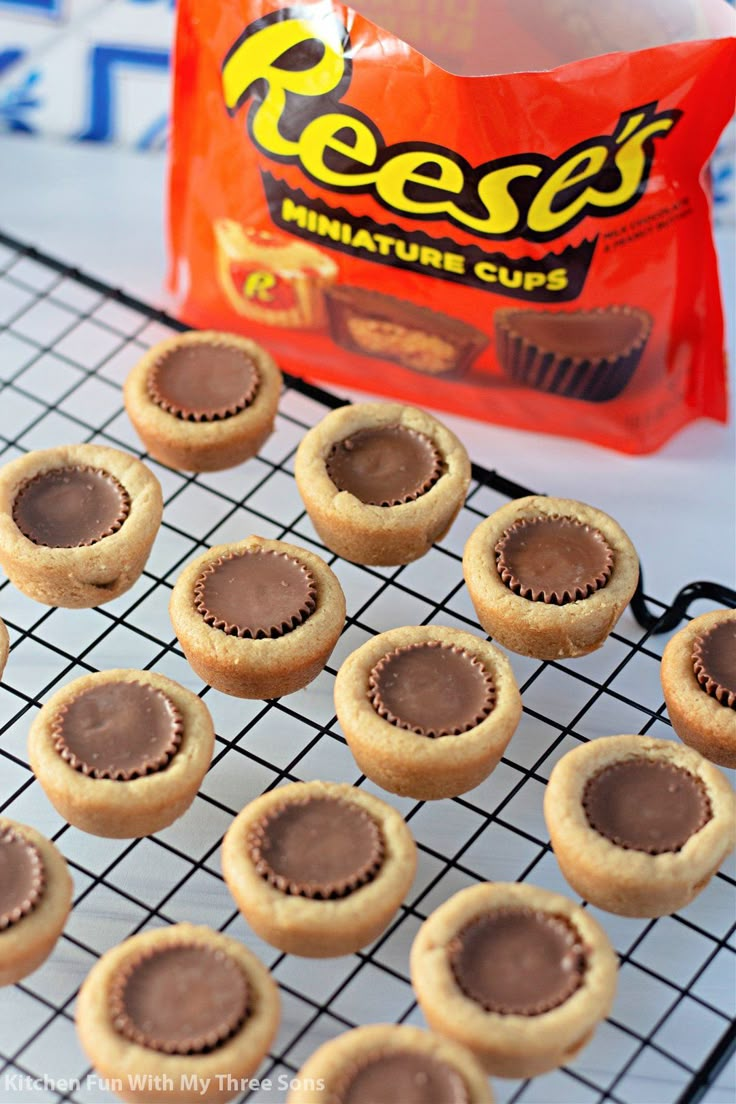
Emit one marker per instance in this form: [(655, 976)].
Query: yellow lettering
[(405, 168), (543, 216), (255, 59), (493, 190), (322, 134)]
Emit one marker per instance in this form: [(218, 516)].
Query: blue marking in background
[(105, 65)]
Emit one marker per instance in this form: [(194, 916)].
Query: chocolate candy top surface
[(402, 1077), (431, 688), (317, 847), (118, 730), (255, 594), (204, 382), (714, 662), (517, 961), (70, 507), (22, 877), (581, 335), (180, 999), (645, 805), (555, 560), (385, 465)]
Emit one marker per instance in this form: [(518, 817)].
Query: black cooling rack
[(66, 344)]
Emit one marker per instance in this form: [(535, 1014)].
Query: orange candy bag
[(531, 248)]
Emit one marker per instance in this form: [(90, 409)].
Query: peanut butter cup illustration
[(590, 355), (639, 826), (550, 577), (319, 868), (520, 976), (272, 278), (699, 681), (377, 325), (77, 523), (258, 618), (121, 753), (179, 1005), (394, 1064), (35, 898), (381, 482), (203, 401), (427, 711)]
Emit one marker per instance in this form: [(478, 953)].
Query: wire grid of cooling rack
[(66, 344)]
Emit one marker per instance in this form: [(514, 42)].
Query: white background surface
[(103, 210)]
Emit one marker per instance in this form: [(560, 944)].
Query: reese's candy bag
[(532, 247)]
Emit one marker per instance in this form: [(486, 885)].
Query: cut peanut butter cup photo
[(121, 753), (318, 868), (258, 618), (590, 355), (391, 1064), (35, 899), (520, 976), (203, 401), (639, 826), (77, 523), (372, 324), (698, 673), (178, 1006), (427, 711), (381, 482), (550, 577)]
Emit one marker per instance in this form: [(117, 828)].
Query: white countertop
[(102, 209)]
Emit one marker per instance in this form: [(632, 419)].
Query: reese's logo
[(294, 67)]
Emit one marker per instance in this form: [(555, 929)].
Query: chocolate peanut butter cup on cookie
[(318, 869), (180, 1005), (259, 618), (520, 976), (77, 523), (381, 482), (385, 466), (699, 681), (550, 577), (70, 507), (185, 998), (390, 1064), (202, 401), (121, 753), (427, 711), (590, 355), (35, 898), (639, 826), (322, 848)]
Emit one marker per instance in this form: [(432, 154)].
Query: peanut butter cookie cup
[(203, 401), (35, 898), (427, 711), (318, 869), (4, 646), (520, 976), (550, 577), (393, 1064), (121, 753), (77, 523), (639, 826), (381, 482), (259, 618), (699, 682), (175, 1008)]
